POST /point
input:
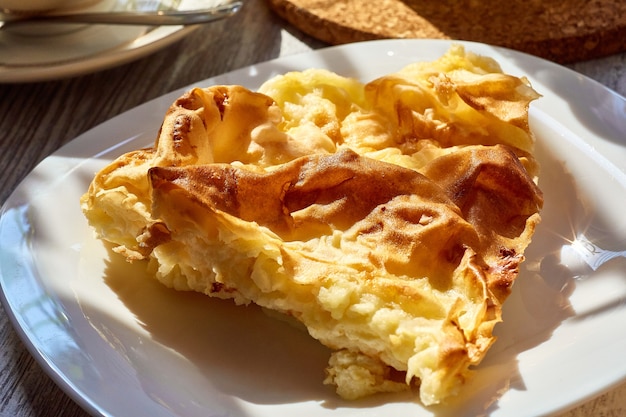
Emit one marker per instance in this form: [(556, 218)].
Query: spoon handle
[(151, 18)]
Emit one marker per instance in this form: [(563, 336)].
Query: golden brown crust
[(390, 218)]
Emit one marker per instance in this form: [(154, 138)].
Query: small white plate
[(61, 51), (121, 344)]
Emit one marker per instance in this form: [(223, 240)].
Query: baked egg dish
[(388, 217)]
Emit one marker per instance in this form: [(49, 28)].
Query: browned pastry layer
[(389, 218)]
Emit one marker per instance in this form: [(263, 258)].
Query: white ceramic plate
[(120, 344), (59, 51)]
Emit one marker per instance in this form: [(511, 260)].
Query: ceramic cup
[(29, 7), (41, 6)]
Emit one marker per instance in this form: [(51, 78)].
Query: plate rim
[(157, 38)]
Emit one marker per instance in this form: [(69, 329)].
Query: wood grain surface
[(560, 30), (37, 118)]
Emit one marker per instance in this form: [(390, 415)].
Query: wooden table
[(37, 118)]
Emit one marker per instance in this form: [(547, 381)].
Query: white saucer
[(83, 49)]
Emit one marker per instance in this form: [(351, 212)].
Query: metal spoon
[(148, 18), (583, 252)]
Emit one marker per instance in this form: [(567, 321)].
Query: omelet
[(389, 217)]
